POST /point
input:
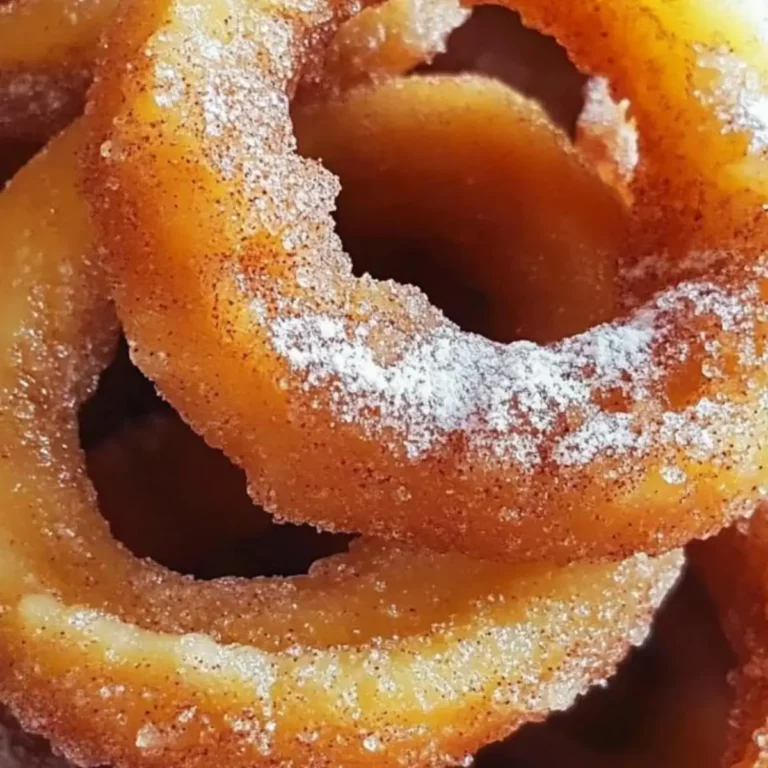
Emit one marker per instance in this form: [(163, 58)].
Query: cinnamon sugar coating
[(387, 655)]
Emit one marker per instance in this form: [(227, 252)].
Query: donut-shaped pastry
[(354, 403), (382, 656)]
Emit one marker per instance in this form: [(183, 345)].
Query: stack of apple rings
[(522, 482)]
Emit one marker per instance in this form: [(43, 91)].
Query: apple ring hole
[(424, 207), (170, 497), (478, 226), (495, 42)]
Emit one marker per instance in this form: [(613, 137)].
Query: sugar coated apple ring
[(382, 656), (355, 404)]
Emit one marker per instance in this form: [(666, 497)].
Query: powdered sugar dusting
[(602, 116), (515, 401), (447, 380), (738, 96)]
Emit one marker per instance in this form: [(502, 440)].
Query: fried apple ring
[(355, 404), (382, 656), (47, 48)]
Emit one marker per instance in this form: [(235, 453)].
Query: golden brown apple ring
[(382, 656), (354, 403), (47, 49)]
